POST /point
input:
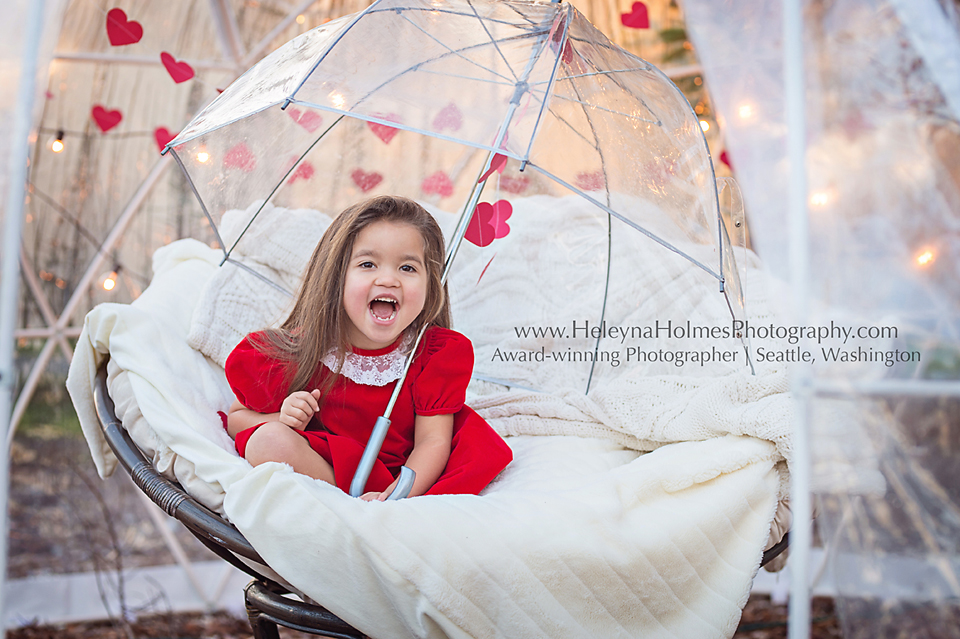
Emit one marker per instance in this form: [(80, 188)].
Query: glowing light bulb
[(338, 100), (704, 125), (745, 111), (926, 257), (108, 281), (819, 199), (57, 145), (301, 19), (202, 156)]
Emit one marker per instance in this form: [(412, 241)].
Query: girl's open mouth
[(384, 308)]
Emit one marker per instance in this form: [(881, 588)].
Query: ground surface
[(65, 519)]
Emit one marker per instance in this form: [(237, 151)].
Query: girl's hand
[(380, 496), (297, 409)]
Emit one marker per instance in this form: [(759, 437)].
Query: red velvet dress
[(435, 385)]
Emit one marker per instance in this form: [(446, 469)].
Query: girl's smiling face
[(385, 285)]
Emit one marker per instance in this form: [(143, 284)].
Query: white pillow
[(236, 302)]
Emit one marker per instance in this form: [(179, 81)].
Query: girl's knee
[(273, 441)]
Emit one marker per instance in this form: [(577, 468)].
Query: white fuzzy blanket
[(582, 536)]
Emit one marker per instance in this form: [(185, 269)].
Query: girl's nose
[(386, 278)]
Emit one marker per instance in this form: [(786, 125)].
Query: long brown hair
[(318, 322)]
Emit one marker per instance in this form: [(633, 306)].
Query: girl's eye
[(366, 264), (409, 268)]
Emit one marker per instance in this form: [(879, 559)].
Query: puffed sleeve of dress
[(258, 380), (441, 386), (477, 452)]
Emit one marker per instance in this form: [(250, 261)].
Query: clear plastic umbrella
[(576, 172)]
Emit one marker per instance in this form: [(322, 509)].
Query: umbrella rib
[(523, 16), (395, 124), (587, 75), (492, 39), (606, 188), (550, 84), (203, 207), (620, 217), (279, 184), (592, 145), (600, 108), (332, 45), (404, 127), (450, 11), (258, 276), (445, 46), (467, 77)]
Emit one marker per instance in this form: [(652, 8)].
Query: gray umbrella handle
[(369, 456), (404, 483)]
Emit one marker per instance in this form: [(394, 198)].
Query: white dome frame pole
[(798, 626), (10, 266)]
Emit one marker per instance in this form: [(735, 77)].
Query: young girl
[(309, 392)]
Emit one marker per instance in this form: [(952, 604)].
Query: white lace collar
[(372, 370)]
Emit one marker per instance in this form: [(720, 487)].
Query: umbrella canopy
[(567, 163)]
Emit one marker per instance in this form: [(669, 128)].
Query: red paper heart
[(489, 222), (449, 117), (725, 158), (383, 131), (556, 34), (310, 120), (239, 156), (590, 181), (106, 120), (162, 135), (179, 71), (515, 185), (364, 180), (498, 163), (638, 18), (303, 172), (121, 31), (438, 183)]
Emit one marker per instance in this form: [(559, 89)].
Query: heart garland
[(449, 117), (489, 223), (106, 120), (515, 185), (438, 183), (593, 181), (163, 135), (239, 156), (179, 71), (310, 120), (385, 132), (303, 172), (638, 18), (121, 31), (366, 181)]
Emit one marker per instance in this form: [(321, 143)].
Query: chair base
[(267, 608)]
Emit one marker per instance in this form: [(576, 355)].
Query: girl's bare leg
[(279, 443)]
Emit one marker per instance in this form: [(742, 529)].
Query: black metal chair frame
[(266, 605)]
